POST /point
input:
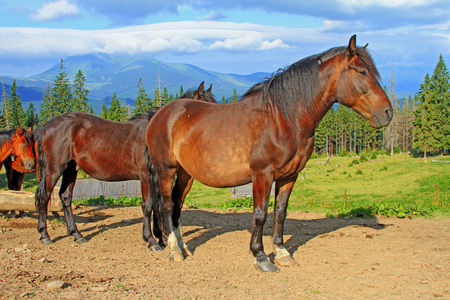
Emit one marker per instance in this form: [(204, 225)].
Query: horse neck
[(6, 149), (326, 96)]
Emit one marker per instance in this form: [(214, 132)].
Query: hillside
[(106, 75)]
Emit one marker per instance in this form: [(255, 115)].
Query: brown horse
[(266, 137), (105, 150), (16, 154)]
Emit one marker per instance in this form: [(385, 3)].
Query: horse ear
[(29, 129), (201, 87), (352, 45), (210, 88), (19, 131)]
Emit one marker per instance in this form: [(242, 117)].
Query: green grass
[(399, 186)]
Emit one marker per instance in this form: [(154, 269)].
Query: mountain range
[(106, 75)]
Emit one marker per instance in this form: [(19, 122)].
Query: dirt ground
[(384, 258)]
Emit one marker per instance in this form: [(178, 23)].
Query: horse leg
[(282, 256), (181, 188), (147, 207), (43, 194), (65, 193), (261, 193), (166, 178)]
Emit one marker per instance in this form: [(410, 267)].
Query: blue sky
[(242, 37)]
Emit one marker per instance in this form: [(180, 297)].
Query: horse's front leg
[(261, 194), (282, 256), (43, 194)]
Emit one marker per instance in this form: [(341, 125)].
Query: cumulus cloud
[(55, 10), (181, 37)]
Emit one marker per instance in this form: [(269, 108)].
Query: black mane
[(5, 136), (298, 85)]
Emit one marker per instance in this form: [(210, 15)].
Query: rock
[(42, 260), (99, 289), (55, 285), (18, 249), (26, 246)]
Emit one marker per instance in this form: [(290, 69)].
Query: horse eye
[(363, 72)]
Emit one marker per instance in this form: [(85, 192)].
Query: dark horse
[(266, 137), (105, 150), (17, 155)]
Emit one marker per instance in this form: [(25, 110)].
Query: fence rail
[(86, 188)]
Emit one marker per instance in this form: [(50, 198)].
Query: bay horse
[(105, 150), (266, 137), (17, 155)]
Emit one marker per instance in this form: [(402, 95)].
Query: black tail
[(41, 166)]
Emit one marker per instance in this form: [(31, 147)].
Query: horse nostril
[(389, 113)]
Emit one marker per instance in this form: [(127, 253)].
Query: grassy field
[(390, 185), (396, 185)]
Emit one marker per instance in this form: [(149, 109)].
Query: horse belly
[(215, 166)]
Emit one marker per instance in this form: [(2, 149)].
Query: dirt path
[(339, 258)]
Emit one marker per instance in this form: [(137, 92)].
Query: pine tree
[(181, 92), (440, 87), (143, 102), (426, 135), (116, 111), (157, 100), (80, 101), (5, 115), (165, 97), (391, 131), (405, 119), (31, 117), (47, 109), (104, 111), (61, 95), (17, 115), (235, 97)]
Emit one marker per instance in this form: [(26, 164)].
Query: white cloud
[(181, 37), (56, 10), (248, 42)]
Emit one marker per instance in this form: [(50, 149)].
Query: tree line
[(420, 123)]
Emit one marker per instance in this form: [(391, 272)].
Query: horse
[(105, 150), (266, 137), (16, 154)]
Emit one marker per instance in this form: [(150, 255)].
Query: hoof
[(286, 261), (266, 266), (81, 240), (46, 241), (177, 256), (187, 252), (155, 248)]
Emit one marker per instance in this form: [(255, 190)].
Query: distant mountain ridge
[(106, 75)]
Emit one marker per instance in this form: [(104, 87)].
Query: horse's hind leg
[(147, 208), (282, 256), (182, 187), (67, 184)]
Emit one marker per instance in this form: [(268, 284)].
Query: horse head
[(23, 145), (358, 86)]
